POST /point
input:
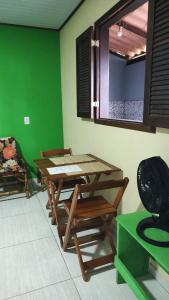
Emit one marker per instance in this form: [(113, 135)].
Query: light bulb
[(137, 51), (120, 32)]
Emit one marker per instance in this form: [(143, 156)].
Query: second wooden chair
[(92, 212)]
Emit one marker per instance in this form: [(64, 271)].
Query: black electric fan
[(153, 187)]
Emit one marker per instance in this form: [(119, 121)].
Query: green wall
[(30, 86)]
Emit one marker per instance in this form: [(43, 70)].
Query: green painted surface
[(30, 86), (132, 259), (129, 223)]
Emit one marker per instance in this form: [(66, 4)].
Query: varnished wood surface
[(98, 166)]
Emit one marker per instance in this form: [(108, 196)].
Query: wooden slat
[(160, 22), (161, 58), (160, 83), (160, 112), (160, 73), (157, 109), (161, 66), (82, 225), (91, 207), (157, 94), (162, 101), (99, 262), (84, 70), (158, 78), (162, 5), (159, 52), (164, 13), (162, 88)]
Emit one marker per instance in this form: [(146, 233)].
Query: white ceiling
[(37, 13)]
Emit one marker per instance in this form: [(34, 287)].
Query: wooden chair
[(67, 184), (92, 212), (49, 154)]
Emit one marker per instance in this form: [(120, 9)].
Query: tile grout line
[(38, 289), (17, 215), (60, 252), (31, 241), (23, 243)]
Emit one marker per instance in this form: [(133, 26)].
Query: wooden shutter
[(157, 70), (84, 73)]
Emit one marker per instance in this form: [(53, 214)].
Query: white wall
[(121, 147)]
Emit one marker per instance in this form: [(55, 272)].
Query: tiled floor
[(34, 267)]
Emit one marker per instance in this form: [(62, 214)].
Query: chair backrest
[(10, 161), (55, 152), (120, 185), (8, 148)]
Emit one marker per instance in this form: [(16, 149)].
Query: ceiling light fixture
[(131, 54), (137, 51), (120, 32), (143, 54)]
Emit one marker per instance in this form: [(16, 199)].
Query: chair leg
[(27, 191), (48, 205), (55, 201), (106, 227), (84, 273)]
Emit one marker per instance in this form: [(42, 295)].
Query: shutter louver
[(84, 73), (157, 93)]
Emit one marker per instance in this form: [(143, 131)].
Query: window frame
[(118, 11)]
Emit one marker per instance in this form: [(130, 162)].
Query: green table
[(133, 253)]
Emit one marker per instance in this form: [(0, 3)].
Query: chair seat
[(91, 207), (91, 210), (68, 184), (9, 173)]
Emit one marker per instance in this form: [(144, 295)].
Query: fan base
[(153, 222)]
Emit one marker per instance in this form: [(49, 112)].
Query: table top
[(88, 163), (130, 221)]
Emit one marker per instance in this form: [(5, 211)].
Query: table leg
[(47, 183), (51, 195), (55, 201), (97, 177)]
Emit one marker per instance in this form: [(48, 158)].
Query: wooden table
[(89, 165)]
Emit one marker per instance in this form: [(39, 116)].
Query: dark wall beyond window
[(116, 75), (126, 81), (134, 77), (126, 89)]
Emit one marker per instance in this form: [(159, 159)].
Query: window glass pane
[(123, 74)]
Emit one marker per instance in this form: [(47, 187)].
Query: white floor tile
[(60, 291), (103, 286), (93, 250), (43, 197), (16, 206), (90, 251), (155, 289), (30, 266), (37, 269), (23, 228)]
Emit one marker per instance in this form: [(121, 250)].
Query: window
[(131, 73), (122, 33)]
